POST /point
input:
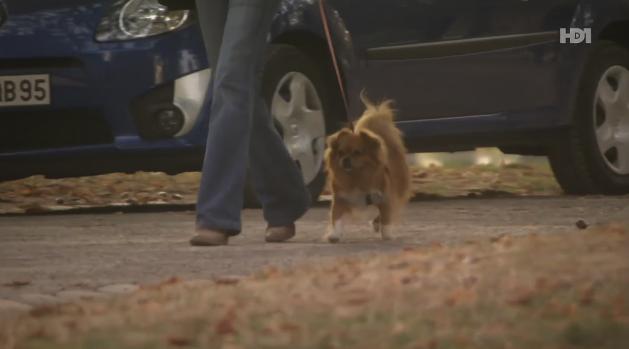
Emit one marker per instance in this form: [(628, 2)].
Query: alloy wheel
[(297, 108), (611, 118)]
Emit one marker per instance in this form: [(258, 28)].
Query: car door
[(452, 58)]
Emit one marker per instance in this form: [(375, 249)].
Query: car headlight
[(134, 19)]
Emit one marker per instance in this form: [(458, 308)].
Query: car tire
[(286, 62), (592, 157)]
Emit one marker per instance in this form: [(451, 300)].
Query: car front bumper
[(102, 95)]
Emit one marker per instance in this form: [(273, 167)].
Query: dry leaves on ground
[(38, 194), (566, 290)]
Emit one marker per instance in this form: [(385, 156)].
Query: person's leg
[(277, 180), (233, 98), (212, 15)]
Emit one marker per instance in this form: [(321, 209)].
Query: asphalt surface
[(46, 255)]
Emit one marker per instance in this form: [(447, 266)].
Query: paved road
[(85, 252)]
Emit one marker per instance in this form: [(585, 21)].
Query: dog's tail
[(383, 109)]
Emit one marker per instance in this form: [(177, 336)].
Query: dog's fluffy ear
[(371, 140), (333, 140)]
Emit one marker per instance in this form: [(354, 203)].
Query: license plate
[(22, 90)]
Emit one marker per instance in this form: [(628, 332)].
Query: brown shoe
[(280, 234), (209, 237)]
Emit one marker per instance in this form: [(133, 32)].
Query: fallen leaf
[(399, 265), (178, 341), (587, 295), (227, 280), (541, 283), (497, 238), (17, 283), (521, 296), (460, 296), (581, 224), (289, 327), (226, 324), (32, 208), (43, 310), (356, 301), (470, 281)]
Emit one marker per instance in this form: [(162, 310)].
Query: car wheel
[(302, 98), (593, 157)]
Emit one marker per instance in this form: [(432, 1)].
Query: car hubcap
[(611, 118), (297, 108)]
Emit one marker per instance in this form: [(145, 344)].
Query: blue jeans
[(242, 137)]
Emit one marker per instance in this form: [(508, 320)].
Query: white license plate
[(21, 90)]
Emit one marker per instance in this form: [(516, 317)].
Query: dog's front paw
[(335, 231), (375, 224), (332, 237), (386, 233)]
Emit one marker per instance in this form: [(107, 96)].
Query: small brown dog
[(367, 166)]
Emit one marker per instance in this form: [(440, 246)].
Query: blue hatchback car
[(95, 86)]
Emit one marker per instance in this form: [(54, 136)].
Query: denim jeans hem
[(292, 216), (230, 228)]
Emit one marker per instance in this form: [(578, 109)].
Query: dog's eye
[(357, 153)]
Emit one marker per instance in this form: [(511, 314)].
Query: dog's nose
[(346, 163)]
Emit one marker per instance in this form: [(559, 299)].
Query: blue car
[(89, 87)]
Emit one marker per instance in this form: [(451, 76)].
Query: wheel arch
[(608, 20), (316, 47), (301, 19), (617, 31), (313, 45)]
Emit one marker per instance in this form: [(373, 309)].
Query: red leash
[(328, 36)]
